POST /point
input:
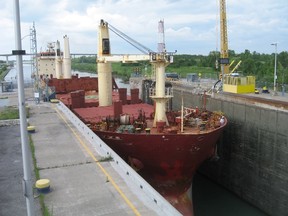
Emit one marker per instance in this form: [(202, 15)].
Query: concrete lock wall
[(253, 152)]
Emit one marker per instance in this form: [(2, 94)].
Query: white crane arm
[(124, 58)]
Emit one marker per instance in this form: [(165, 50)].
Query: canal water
[(209, 198)]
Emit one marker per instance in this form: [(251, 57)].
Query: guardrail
[(168, 92)]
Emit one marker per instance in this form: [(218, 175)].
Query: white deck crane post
[(66, 59), (103, 67), (104, 59), (160, 61), (161, 96)]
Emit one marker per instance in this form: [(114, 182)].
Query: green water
[(210, 199)]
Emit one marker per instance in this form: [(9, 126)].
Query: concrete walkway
[(78, 176), (78, 185), (12, 201)]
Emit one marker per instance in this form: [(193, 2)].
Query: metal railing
[(168, 92)]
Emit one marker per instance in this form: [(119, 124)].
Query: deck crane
[(104, 59), (230, 83), (224, 55)]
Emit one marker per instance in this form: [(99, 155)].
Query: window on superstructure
[(106, 46)]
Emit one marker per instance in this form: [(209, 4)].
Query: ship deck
[(91, 113), (94, 115)]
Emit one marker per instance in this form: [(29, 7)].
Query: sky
[(191, 26)]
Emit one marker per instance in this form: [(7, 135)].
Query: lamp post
[(25, 36), (26, 154), (275, 68)]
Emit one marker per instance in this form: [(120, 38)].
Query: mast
[(160, 61), (161, 42)]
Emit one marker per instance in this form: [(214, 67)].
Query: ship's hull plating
[(167, 161)]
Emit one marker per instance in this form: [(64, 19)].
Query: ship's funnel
[(104, 68), (66, 59), (58, 61)]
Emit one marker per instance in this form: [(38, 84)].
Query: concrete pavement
[(12, 201), (78, 185), (78, 177)]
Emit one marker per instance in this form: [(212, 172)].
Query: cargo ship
[(165, 147)]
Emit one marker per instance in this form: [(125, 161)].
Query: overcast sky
[(191, 26)]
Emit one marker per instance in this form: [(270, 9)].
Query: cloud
[(190, 25)]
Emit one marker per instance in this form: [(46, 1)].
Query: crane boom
[(224, 60), (126, 58), (158, 60), (130, 40)]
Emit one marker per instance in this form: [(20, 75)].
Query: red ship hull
[(166, 161), (166, 158)]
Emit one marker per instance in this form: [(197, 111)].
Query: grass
[(106, 159), (11, 112), (44, 208)]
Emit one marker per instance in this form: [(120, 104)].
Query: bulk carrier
[(165, 147)]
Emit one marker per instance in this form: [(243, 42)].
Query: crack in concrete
[(65, 165)]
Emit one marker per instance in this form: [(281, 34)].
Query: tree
[(283, 59)]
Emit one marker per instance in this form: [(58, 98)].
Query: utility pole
[(26, 154), (34, 65), (275, 69)]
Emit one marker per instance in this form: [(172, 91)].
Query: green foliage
[(85, 59), (87, 67), (84, 63), (11, 112), (44, 208), (106, 159), (3, 72), (259, 65)]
